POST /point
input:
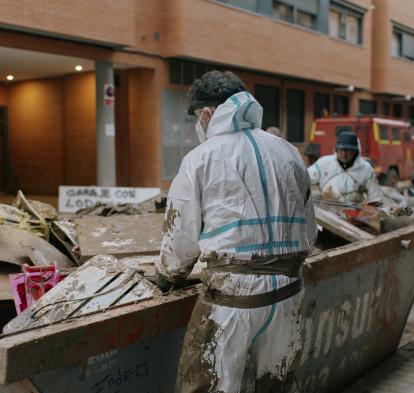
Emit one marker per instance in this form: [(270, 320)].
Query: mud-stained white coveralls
[(241, 194), (346, 185)]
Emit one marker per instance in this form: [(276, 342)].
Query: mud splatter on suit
[(241, 203)]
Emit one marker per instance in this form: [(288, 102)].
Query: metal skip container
[(357, 301)]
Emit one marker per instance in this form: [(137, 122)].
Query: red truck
[(387, 143)]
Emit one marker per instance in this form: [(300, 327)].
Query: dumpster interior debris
[(55, 268)]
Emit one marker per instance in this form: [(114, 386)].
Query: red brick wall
[(144, 127), (390, 74), (3, 94), (36, 134), (52, 132), (80, 128), (99, 20)]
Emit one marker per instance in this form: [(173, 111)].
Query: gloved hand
[(162, 282)]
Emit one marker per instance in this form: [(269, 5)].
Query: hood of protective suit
[(240, 111)]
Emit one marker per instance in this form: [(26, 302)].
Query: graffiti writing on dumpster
[(344, 326), (74, 198), (113, 381)]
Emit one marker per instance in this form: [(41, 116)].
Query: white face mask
[(201, 135), (200, 130)]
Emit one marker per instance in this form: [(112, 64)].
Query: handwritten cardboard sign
[(73, 198)]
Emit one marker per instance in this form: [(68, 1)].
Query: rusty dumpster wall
[(352, 321), (146, 367)]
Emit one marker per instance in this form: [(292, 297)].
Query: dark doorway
[(268, 97), (367, 107), (295, 106)]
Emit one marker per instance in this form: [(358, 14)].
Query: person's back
[(241, 202)]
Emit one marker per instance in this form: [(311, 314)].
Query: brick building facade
[(300, 58)]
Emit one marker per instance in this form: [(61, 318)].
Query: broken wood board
[(120, 236), (101, 283), (18, 246), (331, 222)]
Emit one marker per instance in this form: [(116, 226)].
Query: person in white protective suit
[(345, 176), (240, 202)]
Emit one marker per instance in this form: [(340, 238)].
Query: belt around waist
[(288, 265), (255, 301)]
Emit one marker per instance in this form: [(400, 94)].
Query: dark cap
[(347, 141), (213, 89)]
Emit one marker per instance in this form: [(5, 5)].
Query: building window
[(345, 23), (352, 29), (302, 13), (341, 105), (283, 11), (397, 110), (385, 108), (295, 107), (178, 135), (395, 134), (402, 43), (321, 105), (269, 99), (384, 134), (306, 20), (367, 107), (396, 44), (305, 13), (335, 24), (183, 72)]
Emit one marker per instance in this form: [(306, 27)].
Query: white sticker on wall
[(110, 129)]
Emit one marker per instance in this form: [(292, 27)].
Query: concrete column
[(105, 125)]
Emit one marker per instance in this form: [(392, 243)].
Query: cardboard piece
[(119, 235)]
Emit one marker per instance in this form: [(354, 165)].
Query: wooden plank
[(31, 352), (97, 285), (120, 235), (331, 222)]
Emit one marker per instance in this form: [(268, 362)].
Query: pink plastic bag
[(34, 282)]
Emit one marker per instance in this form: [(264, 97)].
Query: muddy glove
[(162, 282)]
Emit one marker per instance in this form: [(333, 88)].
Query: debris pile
[(106, 253), (38, 249)]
